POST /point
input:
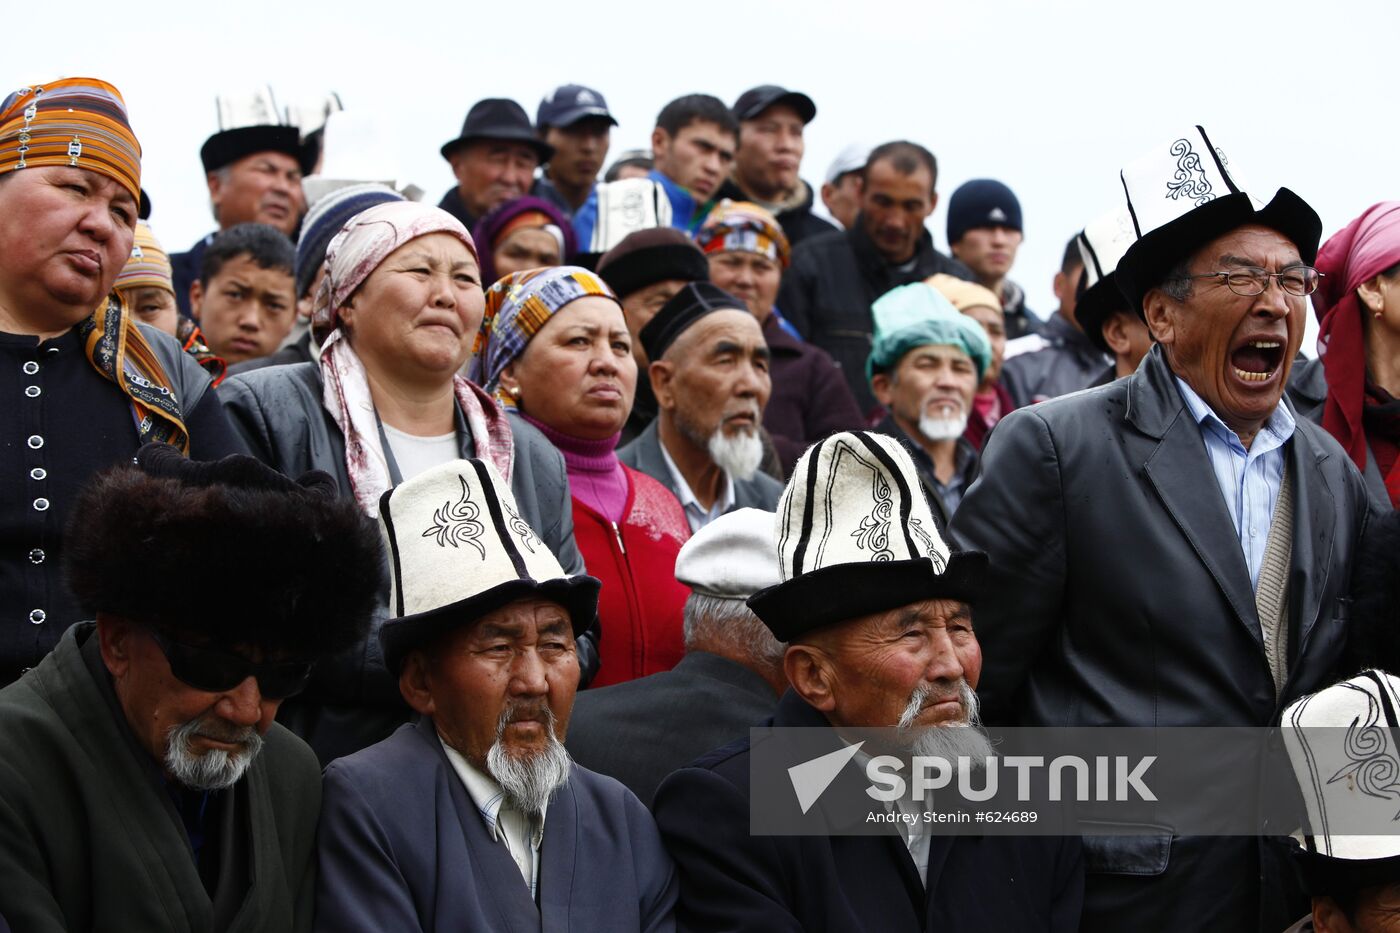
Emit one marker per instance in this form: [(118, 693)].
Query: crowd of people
[(375, 565)]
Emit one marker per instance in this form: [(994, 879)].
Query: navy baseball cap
[(571, 103)]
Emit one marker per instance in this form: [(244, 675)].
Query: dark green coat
[(90, 840)]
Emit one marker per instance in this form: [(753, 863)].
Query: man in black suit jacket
[(729, 680), (1140, 584), (874, 608)]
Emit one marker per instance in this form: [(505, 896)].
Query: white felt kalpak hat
[(458, 549), (1342, 743), (855, 536), (1183, 194), (1101, 244)]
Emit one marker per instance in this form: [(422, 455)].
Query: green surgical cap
[(917, 315)]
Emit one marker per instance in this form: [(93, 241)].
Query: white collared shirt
[(522, 837), (912, 829), (695, 513)]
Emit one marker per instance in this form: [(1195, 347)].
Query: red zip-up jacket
[(640, 605)]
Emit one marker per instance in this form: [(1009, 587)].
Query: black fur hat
[(230, 549)]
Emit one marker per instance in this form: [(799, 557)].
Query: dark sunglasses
[(216, 671)]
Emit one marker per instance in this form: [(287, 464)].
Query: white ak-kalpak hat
[(1182, 195), (1344, 744), (855, 536), (458, 549), (1101, 244)]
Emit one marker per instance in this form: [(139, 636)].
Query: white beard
[(738, 455), (215, 769), (529, 781), (943, 429), (949, 740)]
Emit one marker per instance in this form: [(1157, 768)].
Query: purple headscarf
[(490, 228)]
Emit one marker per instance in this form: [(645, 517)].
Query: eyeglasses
[(1249, 281), (217, 671)]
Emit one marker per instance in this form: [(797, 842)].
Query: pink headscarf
[(354, 253), (364, 242), (1361, 250)]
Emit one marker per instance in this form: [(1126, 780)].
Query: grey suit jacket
[(402, 847), (1119, 596), (642, 730), (279, 412), (759, 492)]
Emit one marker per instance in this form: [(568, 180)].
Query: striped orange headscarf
[(82, 123), (78, 122)]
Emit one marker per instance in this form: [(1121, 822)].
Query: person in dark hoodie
[(834, 277), (766, 164)]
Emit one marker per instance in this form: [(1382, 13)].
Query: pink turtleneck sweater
[(596, 477)]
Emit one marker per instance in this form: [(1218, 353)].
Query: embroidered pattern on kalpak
[(456, 523), (1189, 180)]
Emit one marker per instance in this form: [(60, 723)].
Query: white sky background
[(1050, 97)]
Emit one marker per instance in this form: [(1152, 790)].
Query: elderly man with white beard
[(474, 817), (145, 785), (876, 613), (924, 367), (709, 373)]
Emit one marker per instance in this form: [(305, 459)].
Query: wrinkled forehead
[(521, 620), (855, 637), (729, 326), (1250, 245), (438, 245)]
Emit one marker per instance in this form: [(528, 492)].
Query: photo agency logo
[(1066, 777), (1216, 781)]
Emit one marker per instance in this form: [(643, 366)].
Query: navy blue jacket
[(402, 847), (732, 880)]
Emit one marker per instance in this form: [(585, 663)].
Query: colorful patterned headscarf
[(117, 350), (743, 227), (364, 242), (516, 308), (78, 122), (148, 265)]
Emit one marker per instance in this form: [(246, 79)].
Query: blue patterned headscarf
[(516, 308)]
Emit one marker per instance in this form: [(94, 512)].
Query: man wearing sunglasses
[(1182, 542), (144, 784)]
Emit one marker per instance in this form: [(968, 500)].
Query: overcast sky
[(1050, 97)]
